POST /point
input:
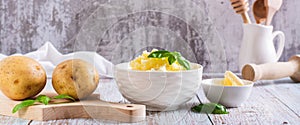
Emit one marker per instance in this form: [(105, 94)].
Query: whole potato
[(76, 78), (21, 77)]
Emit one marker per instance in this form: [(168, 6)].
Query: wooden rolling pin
[(270, 71)]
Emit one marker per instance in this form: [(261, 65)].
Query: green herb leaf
[(181, 60), (64, 96), (172, 57), (159, 54), (176, 54), (23, 104), (211, 108), (184, 63), (43, 99)]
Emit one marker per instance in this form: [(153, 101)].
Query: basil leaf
[(220, 109), (159, 54), (23, 104), (184, 63), (181, 60), (176, 54), (171, 59), (64, 96), (43, 99), (211, 108)]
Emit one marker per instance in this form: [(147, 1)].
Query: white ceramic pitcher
[(258, 45)]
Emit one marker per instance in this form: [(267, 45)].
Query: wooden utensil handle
[(269, 71), (246, 18)]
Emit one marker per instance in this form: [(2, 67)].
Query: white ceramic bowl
[(229, 96), (159, 91)]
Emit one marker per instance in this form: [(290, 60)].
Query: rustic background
[(204, 31)]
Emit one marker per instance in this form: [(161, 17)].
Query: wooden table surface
[(271, 102)]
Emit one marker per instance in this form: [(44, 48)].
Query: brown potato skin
[(21, 77), (76, 78)]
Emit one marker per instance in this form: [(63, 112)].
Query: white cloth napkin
[(49, 57)]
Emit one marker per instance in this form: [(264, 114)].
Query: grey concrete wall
[(204, 31)]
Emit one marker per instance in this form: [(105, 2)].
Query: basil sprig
[(64, 96), (42, 99), (172, 57), (210, 108), (23, 104)]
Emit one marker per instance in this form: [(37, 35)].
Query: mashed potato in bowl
[(159, 79), (144, 63)]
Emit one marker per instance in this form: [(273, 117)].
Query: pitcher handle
[(281, 42)]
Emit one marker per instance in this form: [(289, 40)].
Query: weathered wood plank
[(6, 120), (181, 116), (287, 92), (65, 122)]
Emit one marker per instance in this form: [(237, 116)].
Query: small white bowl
[(159, 91), (229, 96)]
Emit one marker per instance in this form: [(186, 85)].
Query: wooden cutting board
[(91, 107)]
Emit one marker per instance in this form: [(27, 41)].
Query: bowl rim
[(204, 82), (117, 67)]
